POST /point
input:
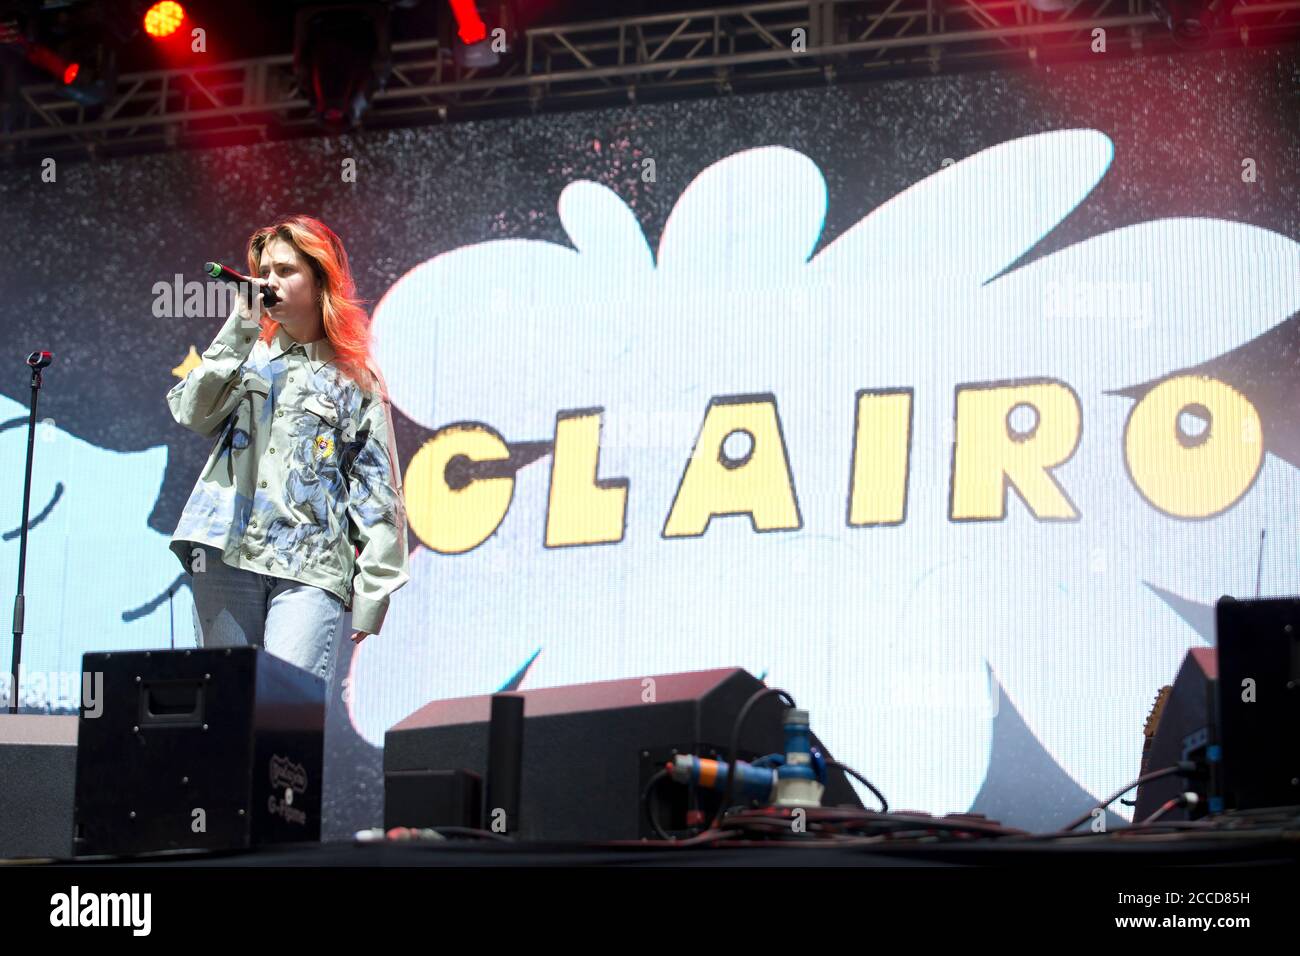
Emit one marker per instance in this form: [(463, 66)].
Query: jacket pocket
[(324, 420), (322, 409), (256, 390)]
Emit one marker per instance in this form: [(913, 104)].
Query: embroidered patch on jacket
[(324, 446)]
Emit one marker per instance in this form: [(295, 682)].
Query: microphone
[(217, 271)]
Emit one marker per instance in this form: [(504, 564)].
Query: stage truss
[(706, 52)]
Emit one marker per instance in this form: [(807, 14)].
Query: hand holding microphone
[(265, 296)]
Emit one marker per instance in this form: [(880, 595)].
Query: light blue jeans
[(234, 607)]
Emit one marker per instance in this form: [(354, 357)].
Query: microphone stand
[(37, 361)]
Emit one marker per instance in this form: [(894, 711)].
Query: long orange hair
[(346, 324)]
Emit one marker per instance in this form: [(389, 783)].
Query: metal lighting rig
[(710, 51)]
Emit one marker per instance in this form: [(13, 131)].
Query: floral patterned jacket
[(303, 472)]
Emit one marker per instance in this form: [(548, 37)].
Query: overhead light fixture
[(163, 19), (1191, 21), (89, 72), (470, 28), (342, 53), (484, 33), (77, 58)]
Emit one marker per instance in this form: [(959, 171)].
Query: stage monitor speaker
[(1185, 730), (1259, 703), (590, 749), (217, 748), (432, 798), (38, 766)]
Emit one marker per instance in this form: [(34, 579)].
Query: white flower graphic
[(97, 578), (882, 633)]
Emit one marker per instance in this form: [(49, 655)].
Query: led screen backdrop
[(949, 405)]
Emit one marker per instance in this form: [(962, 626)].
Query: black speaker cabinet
[(218, 748), (38, 764), (1259, 703), (590, 749), (432, 798), (1186, 730)]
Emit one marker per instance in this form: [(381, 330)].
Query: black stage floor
[(1094, 886), (1184, 850)]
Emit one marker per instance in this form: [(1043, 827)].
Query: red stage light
[(471, 26), (70, 73), (163, 19)]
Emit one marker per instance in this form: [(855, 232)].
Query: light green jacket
[(303, 472)]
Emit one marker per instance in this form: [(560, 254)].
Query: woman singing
[(298, 514)]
